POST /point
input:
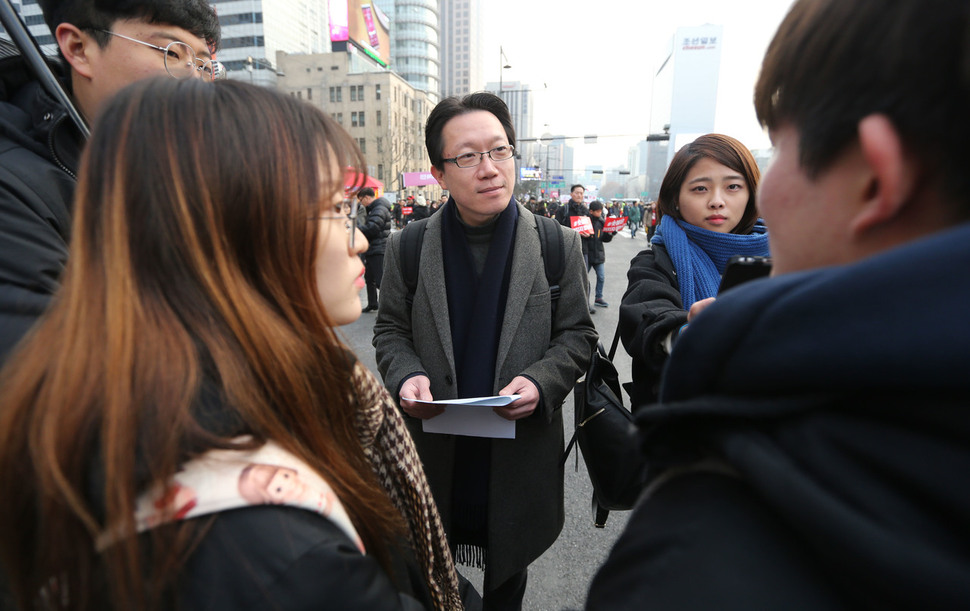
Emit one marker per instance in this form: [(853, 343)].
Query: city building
[(254, 30), (32, 16), (380, 110), (462, 64), (415, 46), (685, 88)]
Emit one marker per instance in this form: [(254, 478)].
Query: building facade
[(256, 29), (380, 110), (415, 45), (462, 38)]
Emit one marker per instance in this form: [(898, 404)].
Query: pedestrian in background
[(420, 209), (597, 253), (184, 429), (650, 219), (376, 226), (632, 212)]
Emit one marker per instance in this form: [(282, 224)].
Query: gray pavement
[(560, 577)]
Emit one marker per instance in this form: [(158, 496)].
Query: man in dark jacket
[(104, 49), (376, 227), (811, 443)]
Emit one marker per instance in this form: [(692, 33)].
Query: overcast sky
[(598, 62)]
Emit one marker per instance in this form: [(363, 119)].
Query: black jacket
[(569, 210), (377, 226), (650, 310), (595, 250), (39, 153), (287, 558), (819, 421)]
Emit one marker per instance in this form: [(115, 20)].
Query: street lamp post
[(503, 66)]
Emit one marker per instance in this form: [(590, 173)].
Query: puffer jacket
[(377, 226), (39, 154)]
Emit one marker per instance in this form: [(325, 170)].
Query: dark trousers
[(373, 272), (508, 596)]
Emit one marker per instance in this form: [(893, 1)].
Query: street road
[(560, 577)]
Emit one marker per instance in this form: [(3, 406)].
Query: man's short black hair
[(574, 187), (451, 107), (195, 16), (834, 62), (595, 205), (365, 192)]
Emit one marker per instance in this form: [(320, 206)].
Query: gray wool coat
[(526, 510)]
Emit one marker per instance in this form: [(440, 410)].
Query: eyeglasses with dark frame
[(470, 160), (180, 60), (350, 220)]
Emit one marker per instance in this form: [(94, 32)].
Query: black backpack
[(550, 243)]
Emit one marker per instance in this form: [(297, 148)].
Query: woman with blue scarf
[(708, 214)]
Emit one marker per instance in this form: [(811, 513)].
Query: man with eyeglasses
[(483, 322), (103, 47)]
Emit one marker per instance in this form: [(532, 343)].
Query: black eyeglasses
[(470, 160)]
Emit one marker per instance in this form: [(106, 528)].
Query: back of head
[(195, 16), (834, 62), (726, 151), (451, 107)]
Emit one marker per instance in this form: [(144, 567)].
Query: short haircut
[(726, 151), (834, 62), (574, 187), (451, 107), (365, 192), (195, 16), (595, 205)]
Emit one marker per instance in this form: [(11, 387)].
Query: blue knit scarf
[(700, 255)]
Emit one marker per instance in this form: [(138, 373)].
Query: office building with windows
[(380, 110), (415, 45), (462, 38)]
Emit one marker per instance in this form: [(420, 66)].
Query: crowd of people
[(183, 427)]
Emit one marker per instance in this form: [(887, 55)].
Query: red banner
[(612, 225), (582, 224)]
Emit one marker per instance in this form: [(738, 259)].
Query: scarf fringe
[(474, 556)]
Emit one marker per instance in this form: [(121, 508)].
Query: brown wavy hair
[(723, 149), (192, 264)]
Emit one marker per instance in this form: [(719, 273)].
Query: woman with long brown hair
[(708, 213), (184, 427)]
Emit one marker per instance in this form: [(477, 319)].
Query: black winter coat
[(651, 309), (811, 446), (569, 210), (377, 226), (594, 243), (39, 153)]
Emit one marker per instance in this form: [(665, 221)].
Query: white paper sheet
[(472, 417)]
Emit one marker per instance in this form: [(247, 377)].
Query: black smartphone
[(741, 268)]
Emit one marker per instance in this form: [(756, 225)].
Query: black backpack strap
[(553, 255), (412, 239)]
